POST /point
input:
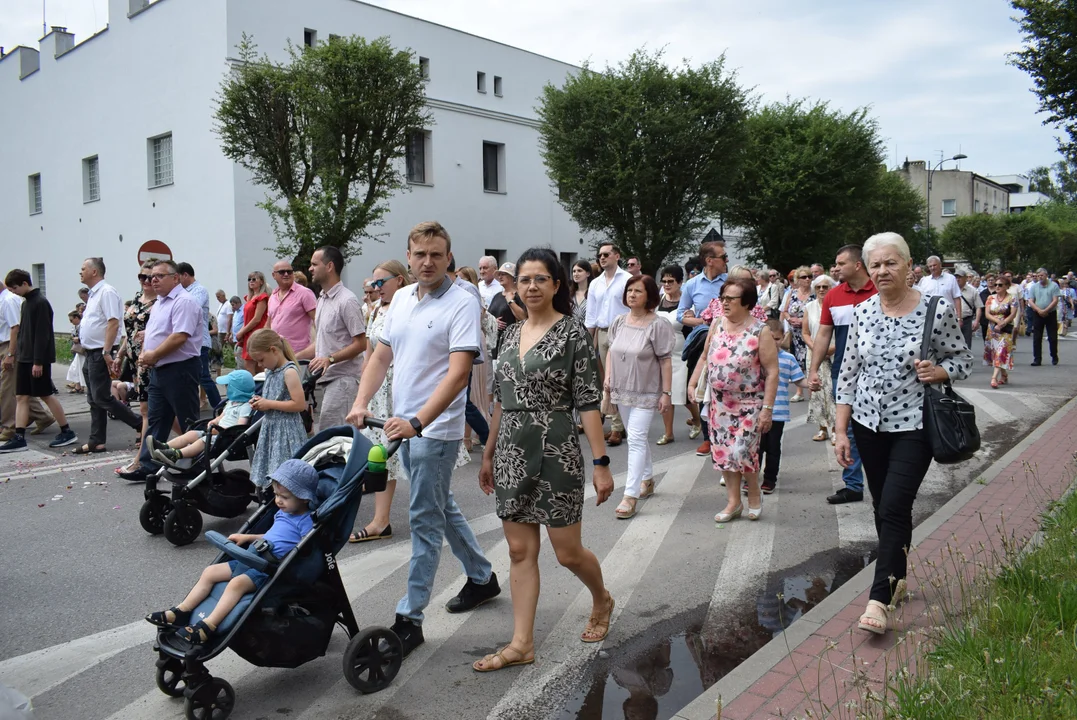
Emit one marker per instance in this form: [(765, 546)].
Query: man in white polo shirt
[(938, 283), (431, 336)]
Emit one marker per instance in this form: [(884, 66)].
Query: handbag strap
[(925, 343)]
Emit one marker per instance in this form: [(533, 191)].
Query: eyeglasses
[(602, 255), (538, 280), (804, 277), (143, 278), (728, 298), (279, 272), (159, 276)]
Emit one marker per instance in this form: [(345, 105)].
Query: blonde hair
[(738, 270), (802, 270), (261, 276), (262, 340), (430, 229), (397, 269), (469, 274)]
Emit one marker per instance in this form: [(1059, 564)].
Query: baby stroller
[(289, 621), (206, 486)]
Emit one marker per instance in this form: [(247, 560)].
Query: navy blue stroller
[(289, 621)]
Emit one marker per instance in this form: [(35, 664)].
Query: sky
[(934, 74)]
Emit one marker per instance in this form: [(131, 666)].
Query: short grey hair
[(887, 239), (936, 258), (488, 259), (97, 264), (823, 279), (1040, 270)]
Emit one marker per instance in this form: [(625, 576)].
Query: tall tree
[(892, 205), (1050, 57), (810, 172), (642, 153), (324, 133), (979, 239)]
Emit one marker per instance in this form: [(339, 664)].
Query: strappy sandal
[(87, 450), (590, 633), (197, 633), (875, 619), (179, 618), (365, 535), (626, 509), (819, 436), (504, 662), (647, 489)]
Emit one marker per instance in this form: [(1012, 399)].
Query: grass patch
[(1013, 651), (64, 356), (229, 357)]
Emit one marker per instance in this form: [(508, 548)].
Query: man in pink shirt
[(291, 308)]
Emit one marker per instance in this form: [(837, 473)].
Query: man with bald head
[(291, 308)]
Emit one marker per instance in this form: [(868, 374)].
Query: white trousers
[(637, 425)]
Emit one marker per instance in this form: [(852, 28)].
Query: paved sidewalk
[(825, 664)]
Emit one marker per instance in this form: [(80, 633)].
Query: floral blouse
[(135, 318), (878, 375)]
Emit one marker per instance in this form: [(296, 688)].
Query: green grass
[(1013, 653), (229, 356), (63, 350)]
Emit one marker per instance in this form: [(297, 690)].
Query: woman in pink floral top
[(742, 371)]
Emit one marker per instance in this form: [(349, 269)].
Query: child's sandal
[(160, 619), (197, 633)]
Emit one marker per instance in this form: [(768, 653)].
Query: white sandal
[(875, 619)]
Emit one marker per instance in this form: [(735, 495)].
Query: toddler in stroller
[(237, 411), (294, 486)]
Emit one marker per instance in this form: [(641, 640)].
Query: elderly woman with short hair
[(881, 392)]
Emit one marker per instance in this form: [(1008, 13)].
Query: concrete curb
[(704, 707)]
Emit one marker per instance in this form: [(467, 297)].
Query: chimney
[(29, 61), (135, 6), (64, 40)]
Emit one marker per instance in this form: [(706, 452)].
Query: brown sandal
[(591, 632), (505, 662)]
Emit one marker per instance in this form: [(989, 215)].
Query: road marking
[(989, 406), (66, 467), (856, 520), (623, 568)]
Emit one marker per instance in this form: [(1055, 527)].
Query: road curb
[(704, 707)]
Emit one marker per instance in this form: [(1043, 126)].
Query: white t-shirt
[(945, 286), (102, 305), (224, 318), (422, 334), (10, 314)]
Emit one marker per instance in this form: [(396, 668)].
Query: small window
[(949, 208), (497, 254), (35, 193), (160, 157), (976, 206), (994, 209), (497, 85), (493, 167), (91, 180), (333, 37), (424, 67), (37, 273), (418, 157), (310, 37), (480, 81)]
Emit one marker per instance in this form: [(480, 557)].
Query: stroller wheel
[(153, 513), (373, 659), (170, 677), (212, 701), (183, 525)]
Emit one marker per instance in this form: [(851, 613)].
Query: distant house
[(1021, 198), (955, 192)]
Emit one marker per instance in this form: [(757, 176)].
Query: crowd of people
[(531, 359)]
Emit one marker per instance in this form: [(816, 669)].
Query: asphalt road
[(78, 573)]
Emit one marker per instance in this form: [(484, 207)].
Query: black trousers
[(173, 394), (770, 450), (98, 383), (895, 464), (1050, 322), (966, 331)]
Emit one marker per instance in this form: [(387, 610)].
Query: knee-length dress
[(737, 383), (282, 433), (135, 318), (538, 463), (796, 310), (998, 350)]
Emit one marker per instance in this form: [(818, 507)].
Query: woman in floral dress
[(135, 318), (793, 313), (742, 374), (547, 367), (1001, 311)]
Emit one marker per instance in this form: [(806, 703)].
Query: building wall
[(969, 192)]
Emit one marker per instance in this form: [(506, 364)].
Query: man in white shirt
[(224, 319), (938, 283), (97, 333), (489, 287), (605, 301), (10, 317), (431, 336)]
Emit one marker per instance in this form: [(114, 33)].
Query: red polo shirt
[(837, 311)]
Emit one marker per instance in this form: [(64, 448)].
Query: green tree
[(1057, 251), (324, 132), (1029, 240), (642, 153), (809, 175), (979, 239), (1050, 57), (1058, 182), (892, 206)]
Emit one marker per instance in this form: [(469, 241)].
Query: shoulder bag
[(949, 419)]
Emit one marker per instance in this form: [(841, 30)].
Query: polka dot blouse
[(878, 377)]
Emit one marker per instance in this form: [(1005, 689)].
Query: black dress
[(499, 308)]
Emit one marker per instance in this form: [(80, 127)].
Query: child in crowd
[(294, 485), (122, 390), (282, 400), (74, 372), (237, 411), (770, 445)]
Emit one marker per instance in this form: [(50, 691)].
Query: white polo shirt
[(604, 299), (422, 334), (945, 286), (104, 304), (10, 314)]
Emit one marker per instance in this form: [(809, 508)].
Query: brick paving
[(838, 668)]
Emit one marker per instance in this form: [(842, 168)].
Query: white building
[(1021, 198), (109, 143)]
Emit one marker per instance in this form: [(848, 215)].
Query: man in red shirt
[(837, 315)]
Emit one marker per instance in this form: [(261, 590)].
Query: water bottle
[(376, 475)]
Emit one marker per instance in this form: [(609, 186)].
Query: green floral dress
[(538, 466)]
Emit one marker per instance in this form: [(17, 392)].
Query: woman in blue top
[(294, 485)]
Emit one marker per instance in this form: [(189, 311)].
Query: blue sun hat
[(298, 477), (240, 385)]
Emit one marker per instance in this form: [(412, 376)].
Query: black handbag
[(949, 419)]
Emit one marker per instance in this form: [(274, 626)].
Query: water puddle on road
[(657, 675)]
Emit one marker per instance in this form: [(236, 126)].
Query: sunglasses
[(804, 277), (377, 284), (252, 278), (159, 276), (143, 278), (281, 272), (602, 255)]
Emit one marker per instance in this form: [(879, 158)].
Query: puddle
[(653, 679)]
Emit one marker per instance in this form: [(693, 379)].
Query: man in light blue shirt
[(1043, 298), (201, 296)]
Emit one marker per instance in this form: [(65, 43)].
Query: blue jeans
[(213, 395), (435, 518), (854, 474), (474, 417)]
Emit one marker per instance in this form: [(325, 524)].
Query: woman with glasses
[(821, 408), (639, 376), (672, 277), (742, 377), (793, 315), (135, 318), (1001, 310), (581, 278), (255, 315)]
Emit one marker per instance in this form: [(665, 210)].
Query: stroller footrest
[(245, 556)]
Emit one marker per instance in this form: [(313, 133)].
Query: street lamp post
[(959, 156)]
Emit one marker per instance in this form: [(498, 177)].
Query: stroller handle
[(373, 422)]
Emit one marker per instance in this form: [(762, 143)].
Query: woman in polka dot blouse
[(880, 391)]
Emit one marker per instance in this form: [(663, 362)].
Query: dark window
[(480, 81), (497, 85), (416, 157), (490, 179), (310, 37), (424, 67)]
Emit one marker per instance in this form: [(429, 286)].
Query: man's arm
[(455, 380), (820, 348), (111, 328), (1051, 305), (171, 343), (9, 361)]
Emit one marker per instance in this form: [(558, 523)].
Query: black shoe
[(472, 595), (410, 634), (1036, 363), (845, 495), (138, 475), (768, 486), (1054, 361)]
